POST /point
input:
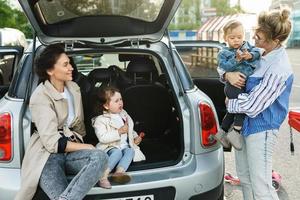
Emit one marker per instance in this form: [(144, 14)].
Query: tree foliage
[(14, 18), (223, 7), (188, 15)]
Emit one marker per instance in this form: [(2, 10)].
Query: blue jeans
[(87, 166), (254, 166), (120, 157)]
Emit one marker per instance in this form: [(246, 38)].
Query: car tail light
[(208, 124), (5, 137)]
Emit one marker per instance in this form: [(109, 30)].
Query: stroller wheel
[(276, 185)]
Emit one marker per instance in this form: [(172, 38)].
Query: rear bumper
[(9, 183), (201, 177)]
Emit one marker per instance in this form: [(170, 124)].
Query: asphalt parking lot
[(283, 162)]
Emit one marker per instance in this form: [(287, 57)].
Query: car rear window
[(54, 11), (201, 62)]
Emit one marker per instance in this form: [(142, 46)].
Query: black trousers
[(232, 92)]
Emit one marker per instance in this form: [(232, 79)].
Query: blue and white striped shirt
[(267, 94)]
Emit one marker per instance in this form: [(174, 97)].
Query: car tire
[(222, 195)]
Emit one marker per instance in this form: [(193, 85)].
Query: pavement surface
[(287, 165)]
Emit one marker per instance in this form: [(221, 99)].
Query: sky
[(253, 6)]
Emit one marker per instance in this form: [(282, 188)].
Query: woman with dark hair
[(265, 103), (56, 147)]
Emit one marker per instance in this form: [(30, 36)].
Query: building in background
[(294, 40), (213, 28), (294, 6), (277, 4)]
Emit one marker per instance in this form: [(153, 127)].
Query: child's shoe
[(120, 177), (104, 183), (235, 138), (220, 137)]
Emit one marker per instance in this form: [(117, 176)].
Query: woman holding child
[(265, 103)]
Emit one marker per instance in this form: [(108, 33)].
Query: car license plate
[(144, 197)]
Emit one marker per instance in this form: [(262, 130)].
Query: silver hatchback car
[(122, 43)]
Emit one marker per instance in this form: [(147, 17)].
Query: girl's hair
[(230, 25), (47, 60), (275, 24), (104, 95)]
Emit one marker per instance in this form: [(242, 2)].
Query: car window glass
[(201, 62), (6, 68), (87, 62), (58, 10)]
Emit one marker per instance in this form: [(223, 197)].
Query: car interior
[(147, 98)]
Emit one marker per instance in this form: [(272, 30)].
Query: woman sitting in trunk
[(56, 147)]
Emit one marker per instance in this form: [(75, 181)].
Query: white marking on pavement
[(296, 86)]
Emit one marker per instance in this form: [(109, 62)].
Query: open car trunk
[(147, 96)]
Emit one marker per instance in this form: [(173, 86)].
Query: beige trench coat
[(49, 112), (106, 129)]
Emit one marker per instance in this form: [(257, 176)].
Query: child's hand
[(139, 138), (124, 128), (238, 55), (246, 55)]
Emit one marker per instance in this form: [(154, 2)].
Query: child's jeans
[(254, 165), (87, 166), (232, 92), (120, 157)]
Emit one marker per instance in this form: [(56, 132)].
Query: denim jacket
[(227, 59)]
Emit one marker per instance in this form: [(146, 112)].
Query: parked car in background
[(10, 37), (182, 159)]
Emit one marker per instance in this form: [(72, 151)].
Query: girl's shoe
[(104, 183), (120, 177)]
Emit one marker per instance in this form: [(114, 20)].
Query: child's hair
[(275, 24), (230, 25), (104, 95)]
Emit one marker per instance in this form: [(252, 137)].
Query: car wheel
[(222, 195)]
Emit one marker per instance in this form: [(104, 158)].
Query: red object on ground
[(142, 135), (294, 120), (233, 180)]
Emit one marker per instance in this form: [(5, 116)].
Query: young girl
[(114, 129)]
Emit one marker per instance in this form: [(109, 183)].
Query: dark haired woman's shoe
[(120, 177)]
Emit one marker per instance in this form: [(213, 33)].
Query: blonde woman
[(265, 103)]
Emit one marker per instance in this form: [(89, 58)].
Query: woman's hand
[(73, 146), (236, 79)]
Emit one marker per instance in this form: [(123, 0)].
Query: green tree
[(223, 7), (14, 18), (187, 16)]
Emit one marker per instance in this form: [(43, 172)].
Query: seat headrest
[(100, 75), (142, 65)]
